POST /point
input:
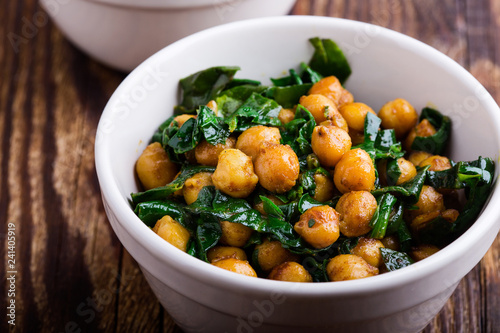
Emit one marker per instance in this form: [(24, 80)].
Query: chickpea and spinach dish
[(296, 181)]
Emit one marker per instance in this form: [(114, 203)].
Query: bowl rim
[(165, 252), (168, 4)]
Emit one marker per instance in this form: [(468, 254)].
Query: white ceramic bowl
[(123, 33), (386, 65)]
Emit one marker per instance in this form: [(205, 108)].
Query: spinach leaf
[(394, 260), (410, 189), (208, 233), (288, 96), (298, 133), (434, 144), (150, 212), (186, 138), (213, 128), (316, 269), (392, 171), (241, 82), (380, 219), (347, 244), (256, 110), (328, 59), (306, 202), (271, 208), (231, 99)]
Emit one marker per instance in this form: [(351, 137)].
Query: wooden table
[(73, 275)]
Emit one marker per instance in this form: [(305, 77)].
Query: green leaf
[(347, 245), (289, 96), (271, 208), (394, 260), (410, 189), (328, 59), (256, 110), (380, 219), (186, 138), (213, 128), (393, 172), (306, 202), (150, 212), (434, 144), (208, 233), (230, 100)]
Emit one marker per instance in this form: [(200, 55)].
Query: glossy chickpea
[(408, 171), (357, 137), (450, 215), (429, 201), (391, 242), (236, 266), (423, 251), (356, 209), (154, 168), (181, 119), (251, 139), (399, 115), (277, 167), (290, 271), (329, 87), (234, 234), (213, 106), (207, 154), (355, 114), (330, 143), (235, 174), (324, 187), (423, 129), (286, 116), (421, 220), (349, 267), (369, 249), (271, 253), (436, 162), (323, 109), (354, 172), (345, 97), (416, 157), (173, 232), (225, 252), (192, 186), (318, 226)]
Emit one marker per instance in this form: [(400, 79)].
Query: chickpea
[(324, 187), (329, 87), (423, 251), (234, 234), (322, 109), (349, 267), (354, 172), (208, 154), (356, 136), (290, 271), (330, 143), (173, 232), (192, 186), (234, 174), (356, 210), (251, 140), (450, 215), (286, 116), (406, 168), (391, 242), (416, 157), (345, 97), (437, 163), (154, 168), (423, 129), (398, 115), (420, 221), (277, 167), (213, 105), (260, 206), (318, 226), (236, 266), (181, 119), (429, 201), (369, 249), (271, 253), (355, 114), (224, 252)]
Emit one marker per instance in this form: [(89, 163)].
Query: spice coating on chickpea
[(173, 232), (324, 187), (290, 271), (429, 201), (399, 115), (330, 143), (369, 249), (286, 115), (225, 252), (355, 114), (323, 109), (436, 162), (408, 171), (154, 168), (319, 226), (271, 253), (423, 129), (277, 167), (349, 267), (192, 186), (235, 174), (329, 87), (423, 251), (416, 157), (345, 97), (253, 138), (236, 266), (181, 119), (356, 210), (354, 172), (234, 234), (208, 154)]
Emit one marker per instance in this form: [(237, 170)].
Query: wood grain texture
[(72, 272)]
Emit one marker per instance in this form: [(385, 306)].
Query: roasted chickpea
[(208, 154), (271, 253), (329, 87), (330, 143), (251, 139), (318, 226), (423, 251), (225, 252), (277, 167), (290, 271), (236, 266), (399, 115), (437, 163), (345, 97), (173, 232), (408, 170), (429, 201), (286, 116), (213, 105), (416, 157), (450, 215), (154, 168), (234, 174), (357, 137), (349, 267), (354, 172), (322, 109), (234, 234), (355, 114), (369, 249), (356, 209), (391, 242), (423, 129), (260, 206), (181, 119), (421, 220), (324, 187), (192, 186)]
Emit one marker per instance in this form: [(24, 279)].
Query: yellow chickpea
[(234, 174), (319, 226), (271, 254), (357, 137), (423, 129), (369, 249), (349, 267), (356, 209), (355, 114), (408, 170), (277, 167), (251, 139), (290, 271), (345, 97), (330, 143), (225, 252), (181, 119), (324, 187), (236, 266), (354, 172), (192, 186), (234, 234), (416, 157), (437, 163), (420, 221), (286, 116), (260, 206), (173, 232), (154, 168), (322, 109), (423, 251), (429, 201), (391, 242), (213, 105), (329, 87), (207, 154), (399, 115), (450, 215)]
